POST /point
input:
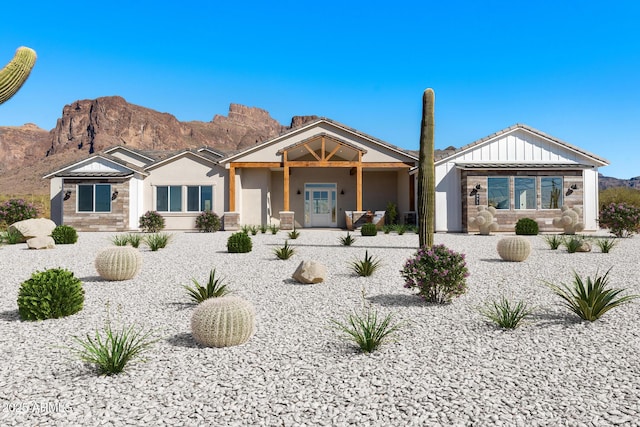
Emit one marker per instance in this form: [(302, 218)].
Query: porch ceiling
[(323, 148)]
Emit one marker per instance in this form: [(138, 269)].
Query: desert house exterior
[(325, 174), (520, 171)]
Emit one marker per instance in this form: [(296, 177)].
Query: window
[(551, 192), (169, 198), (199, 198), (498, 192), (94, 197), (524, 190)]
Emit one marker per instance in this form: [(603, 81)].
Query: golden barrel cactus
[(223, 321), (118, 262), (514, 248)]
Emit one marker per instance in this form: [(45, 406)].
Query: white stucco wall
[(591, 200)]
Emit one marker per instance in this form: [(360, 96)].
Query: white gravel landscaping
[(447, 366)]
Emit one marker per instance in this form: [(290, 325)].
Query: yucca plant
[(368, 330), (592, 299), (273, 229), (606, 245), (120, 239), (347, 240), (365, 267), (214, 289), (294, 234), (263, 228), (113, 351), (246, 229), (284, 252), (157, 241), (554, 241), (506, 314), (253, 229), (572, 244)]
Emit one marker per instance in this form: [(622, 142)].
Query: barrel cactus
[(484, 220), (118, 262), (223, 321), (514, 248), (569, 220), (16, 72)]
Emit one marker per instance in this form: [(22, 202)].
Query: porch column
[(359, 183), (232, 188), (286, 183)]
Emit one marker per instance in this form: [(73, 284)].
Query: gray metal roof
[(513, 165)]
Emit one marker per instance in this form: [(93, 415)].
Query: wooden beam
[(313, 153), (256, 164), (359, 188), (348, 164), (322, 149), (286, 188), (232, 189), (334, 151)]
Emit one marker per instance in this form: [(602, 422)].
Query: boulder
[(584, 247), (41, 242), (310, 272), (35, 227)]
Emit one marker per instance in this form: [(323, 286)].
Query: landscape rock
[(34, 227), (41, 242), (584, 247), (310, 272)]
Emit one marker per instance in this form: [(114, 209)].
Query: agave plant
[(284, 252), (214, 289), (592, 299), (365, 267), (347, 240)]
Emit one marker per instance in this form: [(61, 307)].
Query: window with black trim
[(94, 197)]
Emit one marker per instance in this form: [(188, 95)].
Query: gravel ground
[(447, 366)]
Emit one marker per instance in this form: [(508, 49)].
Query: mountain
[(609, 182), (87, 126)]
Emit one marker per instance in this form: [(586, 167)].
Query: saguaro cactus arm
[(16, 72), (426, 172)]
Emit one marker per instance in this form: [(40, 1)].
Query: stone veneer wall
[(116, 220), (507, 218)]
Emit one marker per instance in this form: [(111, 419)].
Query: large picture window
[(498, 192), (169, 198), (524, 190), (94, 197), (551, 192), (199, 198)]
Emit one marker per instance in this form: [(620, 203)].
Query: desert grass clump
[(110, 351), (590, 299), (253, 229), (347, 240), (263, 228), (120, 240), (214, 289), (368, 329), (134, 239), (157, 241), (50, 294), (64, 235), (246, 229), (554, 241), (507, 315), (294, 234), (239, 242), (606, 245), (274, 229), (284, 252), (367, 266), (573, 244), (401, 229)]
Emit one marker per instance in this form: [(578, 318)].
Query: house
[(325, 174), (520, 171), (320, 174)]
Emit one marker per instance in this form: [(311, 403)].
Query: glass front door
[(320, 205)]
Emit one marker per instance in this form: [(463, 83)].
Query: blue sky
[(570, 69)]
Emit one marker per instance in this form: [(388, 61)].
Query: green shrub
[(214, 289), (368, 330), (365, 267), (554, 241), (151, 222), (64, 235), (12, 236), (208, 222), (14, 210), (591, 300), (239, 243), (621, 219), (438, 272), (111, 354), (50, 294), (369, 229), (284, 252), (157, 241), (626, 195), (506, 315), (526, 227), (347, 240)]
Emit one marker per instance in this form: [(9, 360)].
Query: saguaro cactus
[(426, 172), (15, 73)]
